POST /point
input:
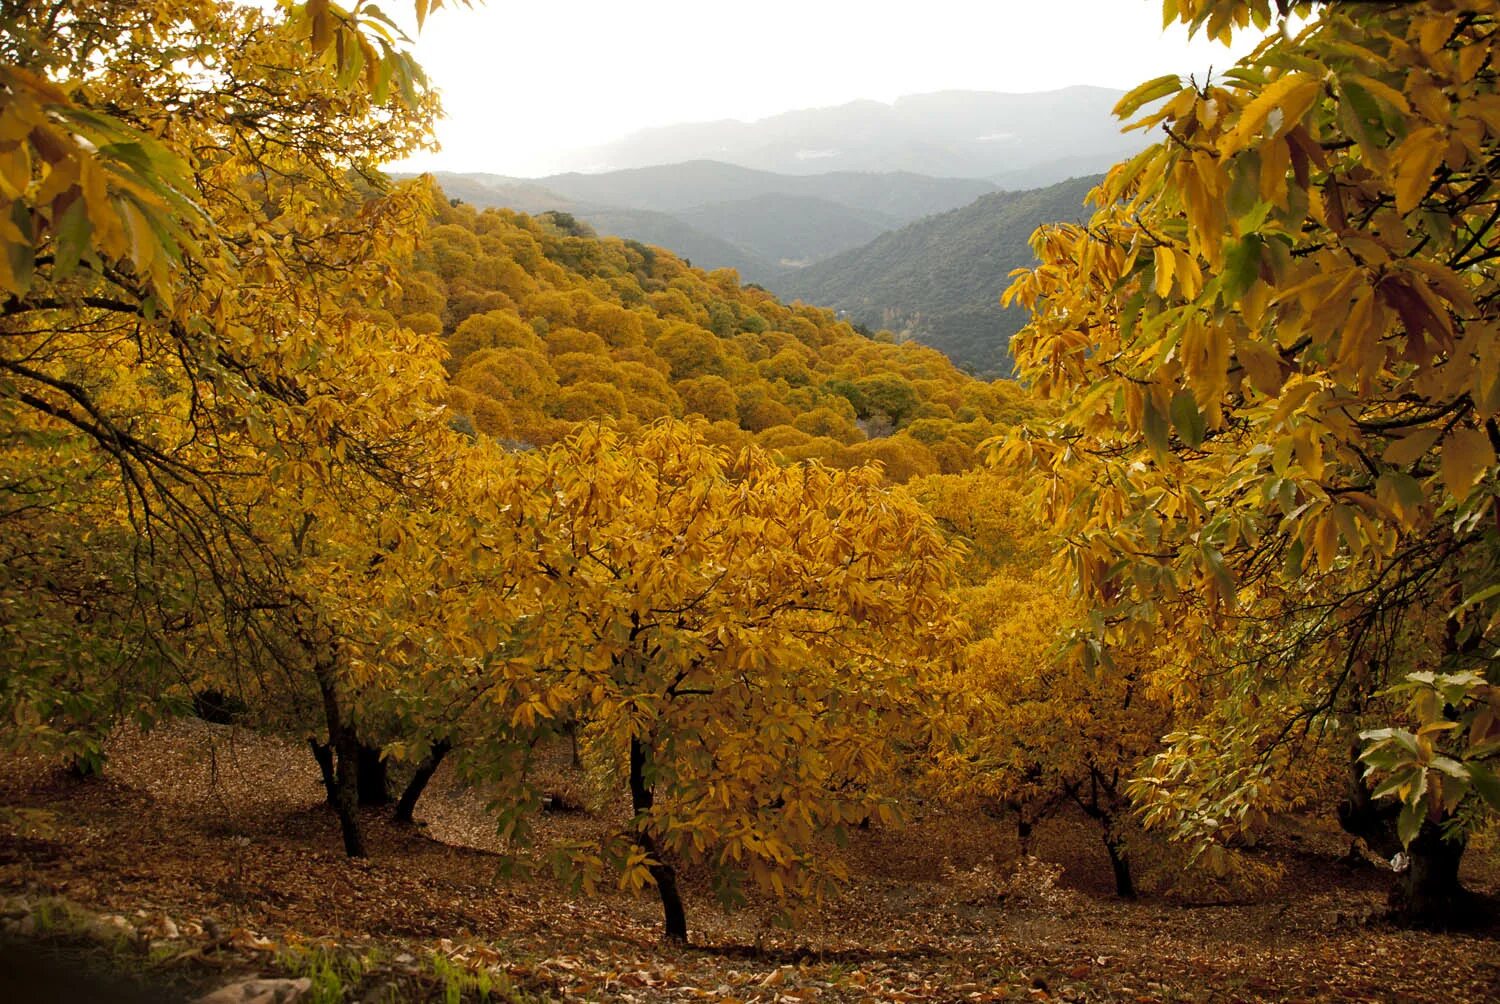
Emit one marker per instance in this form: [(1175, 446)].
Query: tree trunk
[(345, 751), (1124, 884), (1428, 894), (1023, 833), (374, 779), (665, 876), (418, 783), (323, 753), (1361, 816)]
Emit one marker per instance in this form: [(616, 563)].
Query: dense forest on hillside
[(935, 279), (546, 326), (403, 600)]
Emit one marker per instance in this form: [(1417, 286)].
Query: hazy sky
[(525, 81)]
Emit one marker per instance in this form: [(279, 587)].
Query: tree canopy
[(1274, 350)]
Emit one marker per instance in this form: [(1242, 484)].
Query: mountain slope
[(940, 279), (789, 228), (701, 246)]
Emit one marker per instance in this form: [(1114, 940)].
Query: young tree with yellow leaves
[(1276, 355), (741, 639)]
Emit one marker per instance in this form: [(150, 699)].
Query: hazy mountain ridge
[(940, 279), (964, 134), (724, 216)]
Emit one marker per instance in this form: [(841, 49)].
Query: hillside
[(548, 325), (940, 279), (965, 134)]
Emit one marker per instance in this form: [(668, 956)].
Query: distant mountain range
[(725, 216), (940, 279), (1011, 139)]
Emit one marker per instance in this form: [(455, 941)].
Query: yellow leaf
[(1326, 540), (1410, 448), (1416, 159), (1467, 453), (1291, 95), (1165, 263)]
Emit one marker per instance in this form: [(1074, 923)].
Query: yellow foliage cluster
[(547, 326), (1275, 351)]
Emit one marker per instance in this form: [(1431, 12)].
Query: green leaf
[(22, 254), (1154, 427), (1487, 593), (1486, 783), (1187, 419), (72, 239), (1294, 556), (1409, 823), (1450, 767), (1241, 267), (1393, 784), (1402, 489)]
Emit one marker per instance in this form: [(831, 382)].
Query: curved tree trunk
[(1120, 862), (418, 783), (1361, 816), (1428, 894), (323, 753), (673, 914)]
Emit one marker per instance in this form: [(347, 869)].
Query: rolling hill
[(940, 279)]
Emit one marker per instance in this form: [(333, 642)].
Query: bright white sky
[(525, 81)]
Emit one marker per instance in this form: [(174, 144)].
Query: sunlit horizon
[(528, 90)]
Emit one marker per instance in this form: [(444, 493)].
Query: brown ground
[(223, 832)]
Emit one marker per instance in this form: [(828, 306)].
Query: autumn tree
[(741, 638), (1274, 347), (194, 378)]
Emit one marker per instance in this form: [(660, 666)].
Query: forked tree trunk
[(418, 783), (344, 791), (674, 917), (1428, 893)]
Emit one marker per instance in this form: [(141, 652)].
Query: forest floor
[(204, 853)]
